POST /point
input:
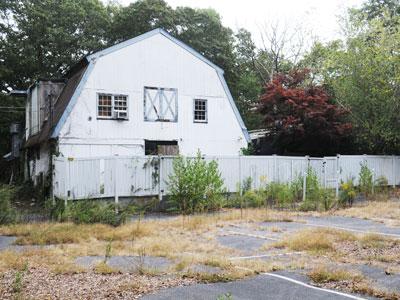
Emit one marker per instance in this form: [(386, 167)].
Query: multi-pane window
[(112, 106), (200, 110)]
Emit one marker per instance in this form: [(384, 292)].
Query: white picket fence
[(122, 176)]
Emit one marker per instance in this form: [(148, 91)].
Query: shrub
[(56, 211), (381, 185), (347, 193), (365, 180), (317, 197), (195, 185), (91, 211), (253, 198), (280, 194), (7, 212)]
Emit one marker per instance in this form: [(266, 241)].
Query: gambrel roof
[(90, 59)]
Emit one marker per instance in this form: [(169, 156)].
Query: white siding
[(157, 62)]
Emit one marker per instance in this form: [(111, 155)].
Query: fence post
[(337, 175), (373, 181), (240, 176), (393, 171), (305, 173), (160, 191), (116, 200), (67, 187), (53, 175), (324, 171), (276, 179), (304, 185)]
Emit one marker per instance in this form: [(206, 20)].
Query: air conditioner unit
[(121, 115)]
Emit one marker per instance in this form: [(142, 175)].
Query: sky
[(320, 17)]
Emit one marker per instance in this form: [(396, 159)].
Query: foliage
[(365, 180), (86, 212), (195, 185), (361, 74), (7, 212), (381, 185), (250, 150), (253, 198), (279, 194), (301, 115), (317, 197), (347, 193), (246, 185), (56, 211)]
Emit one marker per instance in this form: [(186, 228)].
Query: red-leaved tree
[(301, 117)]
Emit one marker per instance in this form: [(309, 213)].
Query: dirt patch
[(39, 283)]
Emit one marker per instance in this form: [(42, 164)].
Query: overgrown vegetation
[(87, 212), (285, 195), (195, 185), (7, 212), (366, 180)]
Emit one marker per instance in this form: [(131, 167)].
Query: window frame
[(146, 107), (112, 117), (205, 121)]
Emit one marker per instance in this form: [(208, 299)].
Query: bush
[(7, 212), (366, 180), (56, 211), (86, 212), (347, 193), (91, 211), (317, 197), (381, 185), (253, 198), (195, 185), (280, 194)]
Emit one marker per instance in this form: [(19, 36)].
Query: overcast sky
[(318, 16)]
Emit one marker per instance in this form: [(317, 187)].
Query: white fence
[(118, 176)]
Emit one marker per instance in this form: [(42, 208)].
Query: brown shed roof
[(60, 105)]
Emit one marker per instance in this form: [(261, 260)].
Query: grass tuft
[(104, 269), (322, 274)]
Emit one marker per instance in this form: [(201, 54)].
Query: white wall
[(40, 165), (158, 62)]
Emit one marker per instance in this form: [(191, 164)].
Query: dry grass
[(336, 278), (64, 233), (387, 212), (318, 240), (323, 274), (104, 269)]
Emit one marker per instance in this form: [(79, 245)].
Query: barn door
[(160, 104)]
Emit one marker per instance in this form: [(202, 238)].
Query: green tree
[(362, 74), (42, 38)]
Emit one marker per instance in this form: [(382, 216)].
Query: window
[(112, 107), (160, 104), (200, 111)]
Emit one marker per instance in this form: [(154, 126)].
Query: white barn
[(151, 94)]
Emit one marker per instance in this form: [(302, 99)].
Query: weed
[(7, 212), (366, 183), (195, 185), (107, 255), (226, 296), (104, 269), (322, 274), (18, 280), (315, 240)]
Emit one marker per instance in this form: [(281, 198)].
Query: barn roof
[(59, 107), (78, 86)]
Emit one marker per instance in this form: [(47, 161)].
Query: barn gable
[(92, 60)]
